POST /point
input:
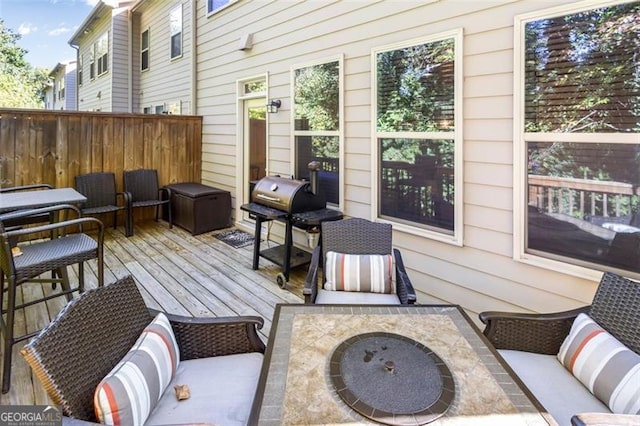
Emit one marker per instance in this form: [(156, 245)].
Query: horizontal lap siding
[(480, 275), (166, 81), (88, 99), (119, 61)]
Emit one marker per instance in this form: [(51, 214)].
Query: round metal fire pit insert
[(391, 379)]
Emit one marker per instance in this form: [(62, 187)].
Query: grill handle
[(267, 198)]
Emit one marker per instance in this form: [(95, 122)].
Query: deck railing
[(581, 197)]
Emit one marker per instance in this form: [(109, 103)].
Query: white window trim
[(339, 132), (520, 138), (220, 9), (173, 58), (457, 238)]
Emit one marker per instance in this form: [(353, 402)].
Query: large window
[(102, 53), (144, 50), (175, 27), (579, 125), (317, 117), (418, 135)]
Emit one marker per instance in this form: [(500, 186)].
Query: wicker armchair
[(143, 186), (95, 331), (100, 190), (615, 307), (355, 236), (26, 262)]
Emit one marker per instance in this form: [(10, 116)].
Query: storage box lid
[(194, 190)]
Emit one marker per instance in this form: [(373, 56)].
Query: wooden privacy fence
[(43, 146)]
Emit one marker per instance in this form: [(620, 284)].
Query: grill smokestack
[(314, 166)]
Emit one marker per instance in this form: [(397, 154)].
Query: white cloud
[(91, 2), (58, 31), (27, 28)]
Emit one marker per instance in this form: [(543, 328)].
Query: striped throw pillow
[(373, 273), (609, 369), (130, 392)]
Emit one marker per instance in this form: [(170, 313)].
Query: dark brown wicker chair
[(26, 262), (356, 236), (143, 186), (615, 307), (102, 198), (100, 327)]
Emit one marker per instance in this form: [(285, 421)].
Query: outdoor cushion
[(222, 390), (129, 393), (553, 386), (609, 369), (372, 273), (355, 297)]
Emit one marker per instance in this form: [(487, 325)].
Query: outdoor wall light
[(273, 105)]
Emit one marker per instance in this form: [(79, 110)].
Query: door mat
[(235, 238)]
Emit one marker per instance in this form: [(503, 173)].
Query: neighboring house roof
[(60, 66), (95, 14)]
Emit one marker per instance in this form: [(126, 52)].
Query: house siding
[(480, 275), (109, 91), (70, 87), (119, 60), (167, 82), (88, 99)]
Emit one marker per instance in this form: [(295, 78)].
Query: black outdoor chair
[(100, 190), (143, 186), (362, 237), (21, 263)]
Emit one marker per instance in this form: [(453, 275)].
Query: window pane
[(317, 97), (583, 202), (417, 181), (326, 150), (145, 60), (176, 45), (145, 40), (215, 4), (415, 90), (582, 71), (255, 87)]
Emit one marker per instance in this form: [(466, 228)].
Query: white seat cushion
[(222, 390), (327, 297), (553, 385)]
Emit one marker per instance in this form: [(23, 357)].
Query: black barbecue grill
[(297, 203)]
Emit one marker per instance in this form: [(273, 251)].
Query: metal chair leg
[(8, 337)]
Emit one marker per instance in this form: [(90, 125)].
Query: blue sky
[(46, 27)]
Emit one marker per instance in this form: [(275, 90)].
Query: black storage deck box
[(200, 208)]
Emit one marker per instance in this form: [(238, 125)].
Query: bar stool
[(24, 263)]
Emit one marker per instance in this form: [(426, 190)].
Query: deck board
[(177, 273)]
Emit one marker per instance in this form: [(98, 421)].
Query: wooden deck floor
[(176, 272)]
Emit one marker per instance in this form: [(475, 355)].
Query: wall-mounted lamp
[(99, 94), (273, 105)]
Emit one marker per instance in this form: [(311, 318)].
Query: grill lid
[(285, 194)]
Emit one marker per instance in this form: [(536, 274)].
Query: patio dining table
[(34, 199), (330, 364)]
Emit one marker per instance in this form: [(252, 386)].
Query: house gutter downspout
[(194, 62), (129, 59), (78, 63)]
